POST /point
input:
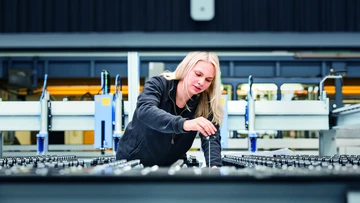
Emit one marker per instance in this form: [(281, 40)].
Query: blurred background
[(287, 45)]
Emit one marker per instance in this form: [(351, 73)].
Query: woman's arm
[(212, 144), (148, 112)]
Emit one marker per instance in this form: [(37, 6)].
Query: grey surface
[(180, 40), (157, 192), (327, 143)]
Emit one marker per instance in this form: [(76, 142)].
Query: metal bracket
[(49, 115)]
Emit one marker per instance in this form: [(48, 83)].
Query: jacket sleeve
[(148, 112), (213, 144)]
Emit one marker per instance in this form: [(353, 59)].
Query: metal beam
[(79, 115), (281, 115), (17, 116), (347, 117), (183, 40)]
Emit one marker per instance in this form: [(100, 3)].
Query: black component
[(102, 147), (192, 162), (105, 82), (122, 115), (49, 115), (82, 163), (19, 79), (61, 165)]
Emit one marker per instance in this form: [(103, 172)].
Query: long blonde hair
[(211, 94)]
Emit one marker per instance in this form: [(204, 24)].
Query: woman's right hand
[(200, 124)]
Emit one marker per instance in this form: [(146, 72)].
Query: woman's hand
[(200, 124)]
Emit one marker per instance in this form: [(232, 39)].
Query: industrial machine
[(250, 177), (245, 178)]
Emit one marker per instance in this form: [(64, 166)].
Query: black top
[(155, 134)]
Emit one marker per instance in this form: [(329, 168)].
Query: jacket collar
[(192, 103)]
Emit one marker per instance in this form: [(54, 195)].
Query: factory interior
[(71, 73)]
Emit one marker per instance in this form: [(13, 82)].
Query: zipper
[(174, 105)]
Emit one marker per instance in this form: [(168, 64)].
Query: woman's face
[(200, 77)]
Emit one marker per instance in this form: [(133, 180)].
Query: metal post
[(35, 73), (43, 136), (233, 88), (278, 93), (2, 69), (224, 131), (118, 121), (156, 68), (278, 98), (252, 136), (133, 81), (338, 93), (1, 144), (1, 135), (323, 94), (327, 143), (118, 107)]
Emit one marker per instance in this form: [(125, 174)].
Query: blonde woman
[(170, 111)]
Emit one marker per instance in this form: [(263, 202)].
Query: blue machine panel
[(62, 69), (300, 69), (257, 69), (170, 66), (103, 121), (2, 69), (114, 68), (20, 64), (119, 67), (224, 68), (231, 66), (353, 69)]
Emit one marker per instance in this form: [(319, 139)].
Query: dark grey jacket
[(148, 136)]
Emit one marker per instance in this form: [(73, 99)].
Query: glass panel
[(227, 89), (261, 92), (297, 91)]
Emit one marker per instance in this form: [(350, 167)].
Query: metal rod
[(44, 114), (118, 114), (118, 121), (1, 144), (322, 84), (251, 111), (102, 144), (252, 136), (133, 81), (43, 136)]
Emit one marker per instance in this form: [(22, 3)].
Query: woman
[(170, 111)]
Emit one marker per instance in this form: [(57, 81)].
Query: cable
[(42, 94), (116, 84), (101, 89), (44, 87), (87, 94)]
